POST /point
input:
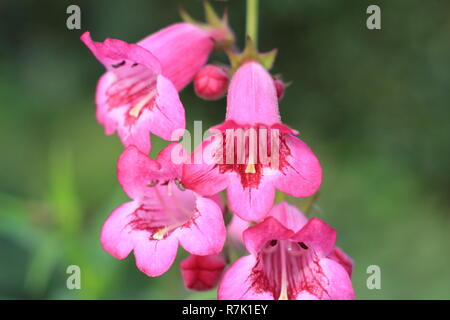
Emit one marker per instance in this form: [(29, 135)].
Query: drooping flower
[(252, 152), (202, 272), (138, 93), (289, 260), (162, 215), (211, 82)]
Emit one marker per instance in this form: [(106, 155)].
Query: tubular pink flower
[(182, 50), (289, 260), (138, 94), (253, 153), (163, 214), (202, 272)]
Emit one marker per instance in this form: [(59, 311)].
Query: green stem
[(252, 20)]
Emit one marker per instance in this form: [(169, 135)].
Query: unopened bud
[(279, 86), (202, 272), (211, 82)]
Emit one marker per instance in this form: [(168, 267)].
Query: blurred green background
[(373, 105)]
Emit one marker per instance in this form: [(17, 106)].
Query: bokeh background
[(373, 105)]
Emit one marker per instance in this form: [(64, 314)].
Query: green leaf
[(42, 264), (62, 190)]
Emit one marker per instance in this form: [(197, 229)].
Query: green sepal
[(266, 59), (306, 206), (213, 21)]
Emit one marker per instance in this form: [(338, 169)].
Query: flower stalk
[(252, 20)]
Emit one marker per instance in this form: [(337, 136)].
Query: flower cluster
[(176, 198)]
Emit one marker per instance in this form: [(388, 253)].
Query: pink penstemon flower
[(162, 214), (291, 258), (175, 199), (138, 94), (253, 153)]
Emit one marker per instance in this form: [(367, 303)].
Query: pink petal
[(343, 259), (155, 257), (167, 118), (236, 283), (205, 233), (289, 216), (137, 134), (257, 236), (217, 198), (182, 49), (115, 236), (305, 295), (171, 159), (235, 231), (251, 204), (202, 174), (303, 175), (317, 235), (104, 115), (113, 51), (202, 272), (135, 171), (335, 283), (252, 97)]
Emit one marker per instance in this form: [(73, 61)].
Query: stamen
[(153, 183), (136, 110), (179, 185), (251, 164), (250, 168), (118, 65), (250, 157), (169, 189), (159, 235), (303, 245), (284, 282)]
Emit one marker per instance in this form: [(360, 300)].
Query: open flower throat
[(134, 87), (170, 208), (253, 152), (286, 268)]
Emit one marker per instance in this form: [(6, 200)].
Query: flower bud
[(202, 272), (211, 82), (279, 86)]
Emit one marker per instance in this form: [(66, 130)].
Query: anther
[(153, 183), (303, 245), (250, 168), (159, 235), (118, 65), (179, 185)]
